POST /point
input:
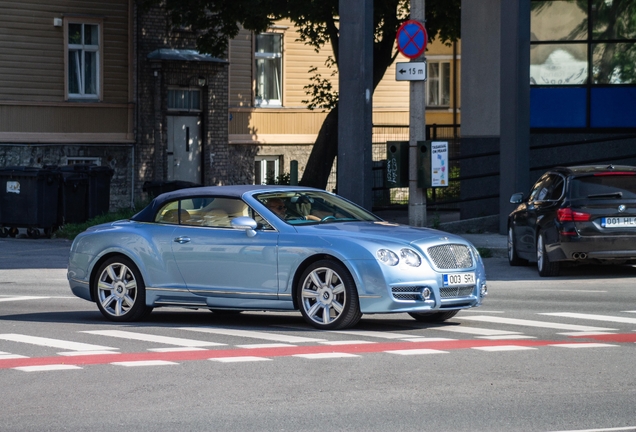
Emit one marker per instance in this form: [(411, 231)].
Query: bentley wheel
[(120, 291), (433, 317), (544, 265), (327, 296), (513, 258)]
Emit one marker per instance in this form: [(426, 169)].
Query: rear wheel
[(513, 258), (544, 265), (120, 291), (327, 296), (433, 317)]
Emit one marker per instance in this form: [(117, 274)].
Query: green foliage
[(485, 252), (70, 231), (452, 191), (282, 179)]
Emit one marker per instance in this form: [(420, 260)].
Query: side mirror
[(517, 198), (245, 223)]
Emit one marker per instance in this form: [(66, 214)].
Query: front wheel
[(327, 296), (434, 317), (120, 291), (544, 265)]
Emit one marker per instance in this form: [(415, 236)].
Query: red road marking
[(177, 356)]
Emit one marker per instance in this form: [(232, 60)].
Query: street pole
[(417, 132)]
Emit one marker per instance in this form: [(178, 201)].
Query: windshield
[(604, 186), (312, 207)]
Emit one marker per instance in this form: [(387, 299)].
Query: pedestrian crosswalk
[(144, 345)]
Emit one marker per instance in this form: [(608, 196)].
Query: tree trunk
[(323, 153)]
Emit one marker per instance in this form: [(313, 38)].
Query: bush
[(70, 231)]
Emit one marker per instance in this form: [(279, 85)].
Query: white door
[(184, 148)]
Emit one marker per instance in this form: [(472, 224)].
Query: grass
[(70, 231), (484, 252)]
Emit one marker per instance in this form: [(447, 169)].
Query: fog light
[(483, 291), (426, 294)]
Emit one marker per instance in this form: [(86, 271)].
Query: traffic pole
[(417, 131)]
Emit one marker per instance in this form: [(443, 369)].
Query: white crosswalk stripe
[(533, 323), (276, 337), (153, 338), (592, 317), (53, 343)]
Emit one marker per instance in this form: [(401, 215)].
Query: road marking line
[(177, 349), (428, 339), (145, 363), (252, 334), (53, 367), (325, 355), (593, 317), (239, 359), (475, 331), (347, 342), (153, 338), (628, 428), (272, 345), (375, 334), (420, 351), (20, 298), (586, 333), (82, 353), (11, 356), (54, 343), (583, 345), (532, 323), (506, 337), (503, 348)]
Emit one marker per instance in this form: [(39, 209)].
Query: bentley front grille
[(451, 256)]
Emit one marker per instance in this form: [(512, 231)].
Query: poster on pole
[(439, 164)]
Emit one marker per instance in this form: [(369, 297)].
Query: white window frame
[(436, 81), (277, 60), (263, 160), (81, 50)]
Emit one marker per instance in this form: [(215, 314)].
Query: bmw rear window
[(606, 186)]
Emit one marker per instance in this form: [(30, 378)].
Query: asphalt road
[(542, 354)]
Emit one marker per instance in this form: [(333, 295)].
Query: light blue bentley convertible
[(274, 248)]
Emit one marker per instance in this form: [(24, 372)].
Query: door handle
[(187, 139), (182, 240)]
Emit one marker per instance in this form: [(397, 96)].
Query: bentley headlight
[(411, 257), (387, 257)]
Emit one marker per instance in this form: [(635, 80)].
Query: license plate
[(618, 222), (455, 279)]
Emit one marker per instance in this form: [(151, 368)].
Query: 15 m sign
[(411, 71)]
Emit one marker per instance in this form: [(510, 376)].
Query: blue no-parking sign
[(411, 39)]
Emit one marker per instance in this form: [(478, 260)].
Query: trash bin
[(156, 188), (72, 206), (98, 190), (28, 199)]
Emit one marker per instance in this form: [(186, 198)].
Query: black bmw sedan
[(584, 214)]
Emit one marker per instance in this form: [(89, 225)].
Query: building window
[(438, 84), (266, 169), (269, 76), (83, 65), (184, 99), (582, 57)]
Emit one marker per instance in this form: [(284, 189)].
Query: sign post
[(411, 41)]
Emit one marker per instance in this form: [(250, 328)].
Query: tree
[(217, 21)]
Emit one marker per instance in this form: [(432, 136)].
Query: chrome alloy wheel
[(323, 295), (117, 289)]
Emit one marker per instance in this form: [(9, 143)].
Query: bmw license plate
[(618, 222), (455, 279)]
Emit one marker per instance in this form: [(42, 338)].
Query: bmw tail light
[(569, 215)]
